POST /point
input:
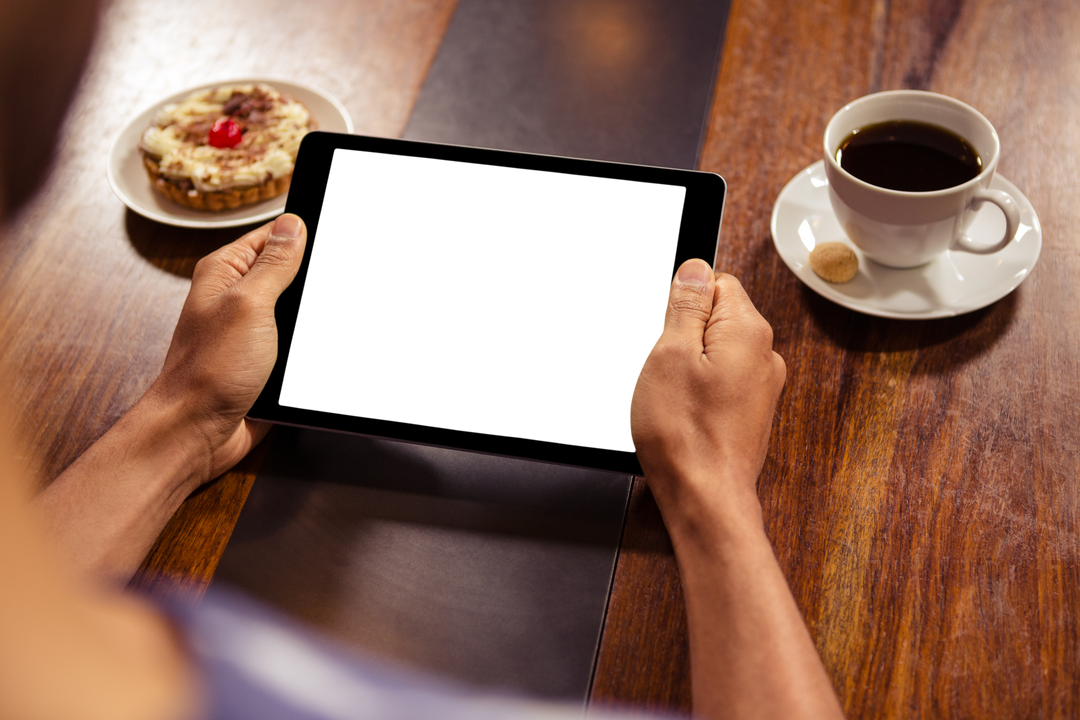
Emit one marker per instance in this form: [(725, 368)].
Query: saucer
[(955, 283), (129, 181)]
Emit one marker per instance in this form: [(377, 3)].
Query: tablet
[(483, 300)]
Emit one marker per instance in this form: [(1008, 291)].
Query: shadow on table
[(960, 339), (176, 250)]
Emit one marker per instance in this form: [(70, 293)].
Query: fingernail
[(287, 226), (695, 272)]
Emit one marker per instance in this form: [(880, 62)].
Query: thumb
[(280, 256), (690, 303)]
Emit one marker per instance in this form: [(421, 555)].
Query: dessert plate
[(130, 183), (954, 283)]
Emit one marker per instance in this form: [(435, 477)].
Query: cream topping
[(274, 124)]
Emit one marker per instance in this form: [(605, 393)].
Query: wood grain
[(644, 656), (182, 562), (921, 491), (91, 291)]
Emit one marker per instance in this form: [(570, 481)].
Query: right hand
[(704, 403)]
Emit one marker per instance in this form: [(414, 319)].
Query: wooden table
[(923, 486)]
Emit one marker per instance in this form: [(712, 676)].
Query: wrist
[(707, 510), (163, 432), (206, 422)]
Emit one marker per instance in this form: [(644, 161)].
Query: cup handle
[(1012, 222)]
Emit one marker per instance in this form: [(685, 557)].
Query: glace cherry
[(226, 133)]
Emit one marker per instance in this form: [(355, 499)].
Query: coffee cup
[(903, 228)]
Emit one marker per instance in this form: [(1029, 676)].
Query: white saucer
[(130, 183), (954, 283)]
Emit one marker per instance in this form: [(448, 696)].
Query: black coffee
[(909, 156)]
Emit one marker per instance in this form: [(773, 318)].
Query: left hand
[(225, 343)]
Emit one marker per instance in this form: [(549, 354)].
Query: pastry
[(225, 147), (834, 262)]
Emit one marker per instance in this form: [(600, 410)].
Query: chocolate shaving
[(234, 103), (242, 105), (197, 132)]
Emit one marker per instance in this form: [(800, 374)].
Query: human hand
[(704, 403), (701, 416), (225, 343), (105, 511)]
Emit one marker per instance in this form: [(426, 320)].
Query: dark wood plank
[(91, 292), (622, 80), (921, 488), (493, 571)]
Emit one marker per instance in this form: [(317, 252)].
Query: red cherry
[(226, 133)]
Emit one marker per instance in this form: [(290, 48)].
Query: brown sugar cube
[(834, 262)]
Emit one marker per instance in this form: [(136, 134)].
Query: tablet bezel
[(321, 152)]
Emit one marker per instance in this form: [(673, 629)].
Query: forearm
[(106, 510), (69, 650), (750, 652), (701, 418)]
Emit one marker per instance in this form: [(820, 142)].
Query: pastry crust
[(217, 200)]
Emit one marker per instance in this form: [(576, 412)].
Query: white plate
[(131, 184), (954, 283)]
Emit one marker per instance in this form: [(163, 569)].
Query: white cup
[(906, 229)]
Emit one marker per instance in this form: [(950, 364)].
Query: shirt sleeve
[(254, 662)]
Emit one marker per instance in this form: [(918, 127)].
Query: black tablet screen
[(479, 299)]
